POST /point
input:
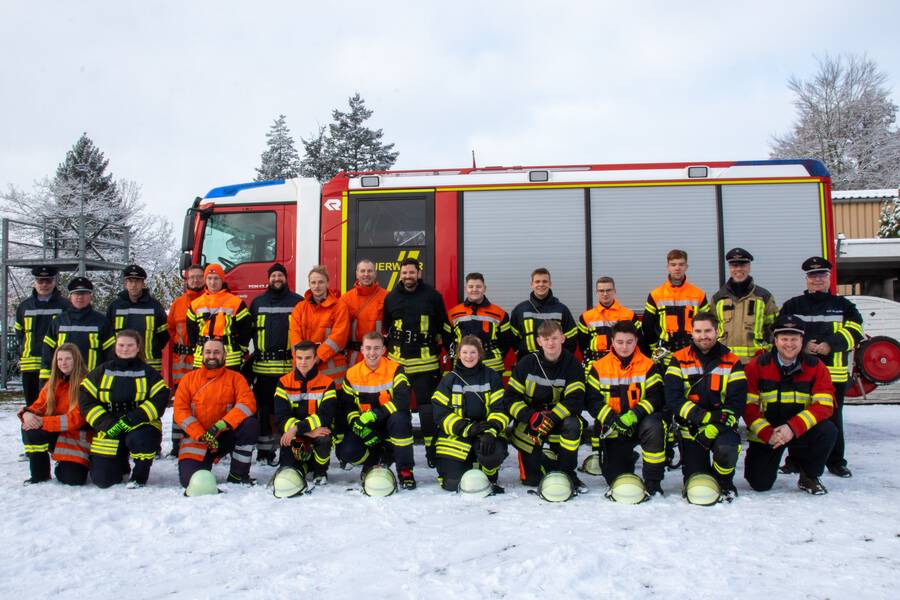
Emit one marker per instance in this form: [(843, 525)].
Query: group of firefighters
[(296, 377)]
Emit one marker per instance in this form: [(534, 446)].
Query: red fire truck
[(579, 221)]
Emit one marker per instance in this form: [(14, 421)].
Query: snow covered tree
[(349, 145), (846, 120), (280, 159), (56, 203), (890, 219)]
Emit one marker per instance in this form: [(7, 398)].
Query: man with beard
[(271, 316), (415, 314), (181, 349), (706, 390), (215, 408)]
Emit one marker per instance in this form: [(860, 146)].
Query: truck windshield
[(235, 238)]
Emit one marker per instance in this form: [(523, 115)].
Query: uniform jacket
[(831, 319), (182, 350), (528, 315), (205, 396), (123, 388), (33, 318), (328, 324), (384, 390), (271, 316), (306, 402), (84, 327), (595, 328), (221, 315), (365, 308), (147, 317), (801, 395), (488, 322), (699, 386), (73, 443), (669, 314), (615, 386), (414, 322), (536, 384), (745, 319)]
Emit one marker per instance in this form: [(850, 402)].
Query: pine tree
[(846, 120), (280, 160), (349, 146), (82, 177)]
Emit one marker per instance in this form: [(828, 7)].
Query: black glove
[(476, 429), (134, 417), (487, 443)]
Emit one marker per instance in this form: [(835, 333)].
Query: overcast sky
[(179, 95)]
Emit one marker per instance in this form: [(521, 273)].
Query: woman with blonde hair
[(54, 423)]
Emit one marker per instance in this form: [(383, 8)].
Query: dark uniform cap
[(44, 272), (738, 255), (80, 284), (788, 324), (134, 271), (277, 267), (814, 264)]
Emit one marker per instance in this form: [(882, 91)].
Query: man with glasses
[(595, 325), (833, 328)]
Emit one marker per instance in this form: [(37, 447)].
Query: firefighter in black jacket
[(545, 396), (33, 318), (134, 308), (541, 306), (415, 316), (270, 313), (706, 390), (80, 325), (123, 401), (470, 415), (833, 329)]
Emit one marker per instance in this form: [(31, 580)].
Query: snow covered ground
[(337, 543)]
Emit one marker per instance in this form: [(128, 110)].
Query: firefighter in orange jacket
[(305, 405), (182, 352), (365, 308), (670, 308), (596, 324), (706, 390), (54, 423), (477, 316), (217, 411), (323, 319), (790, 398), (624, 394), (375, 396), (219, 313)]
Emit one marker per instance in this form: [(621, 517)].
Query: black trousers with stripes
[(107, 471), (238, 442)]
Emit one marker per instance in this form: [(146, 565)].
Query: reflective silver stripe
[(71, 452), (330, 343), (242, 454), (63, 423), (462, 389), (42, 312), (378, 326), (134, 311), (483, 318), (373, 389), (212, 311), (602, 323), (353, 329), (622, 380), (126, 373), (189, 421), (79, 328), (327, 331), (245, 410), (276, 310), (692, 370), (663, 303), (543, 316), (304, 396), (334, 371), (537, 379), (821, 318), (201, 452)]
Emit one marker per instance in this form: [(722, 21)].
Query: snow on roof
[(865, 194)]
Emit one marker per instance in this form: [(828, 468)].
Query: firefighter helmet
[(379, 482), (702, 489), (288, 482), (474, 484), (556, 486), (202, 483), (628, 488), (591, 464)]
